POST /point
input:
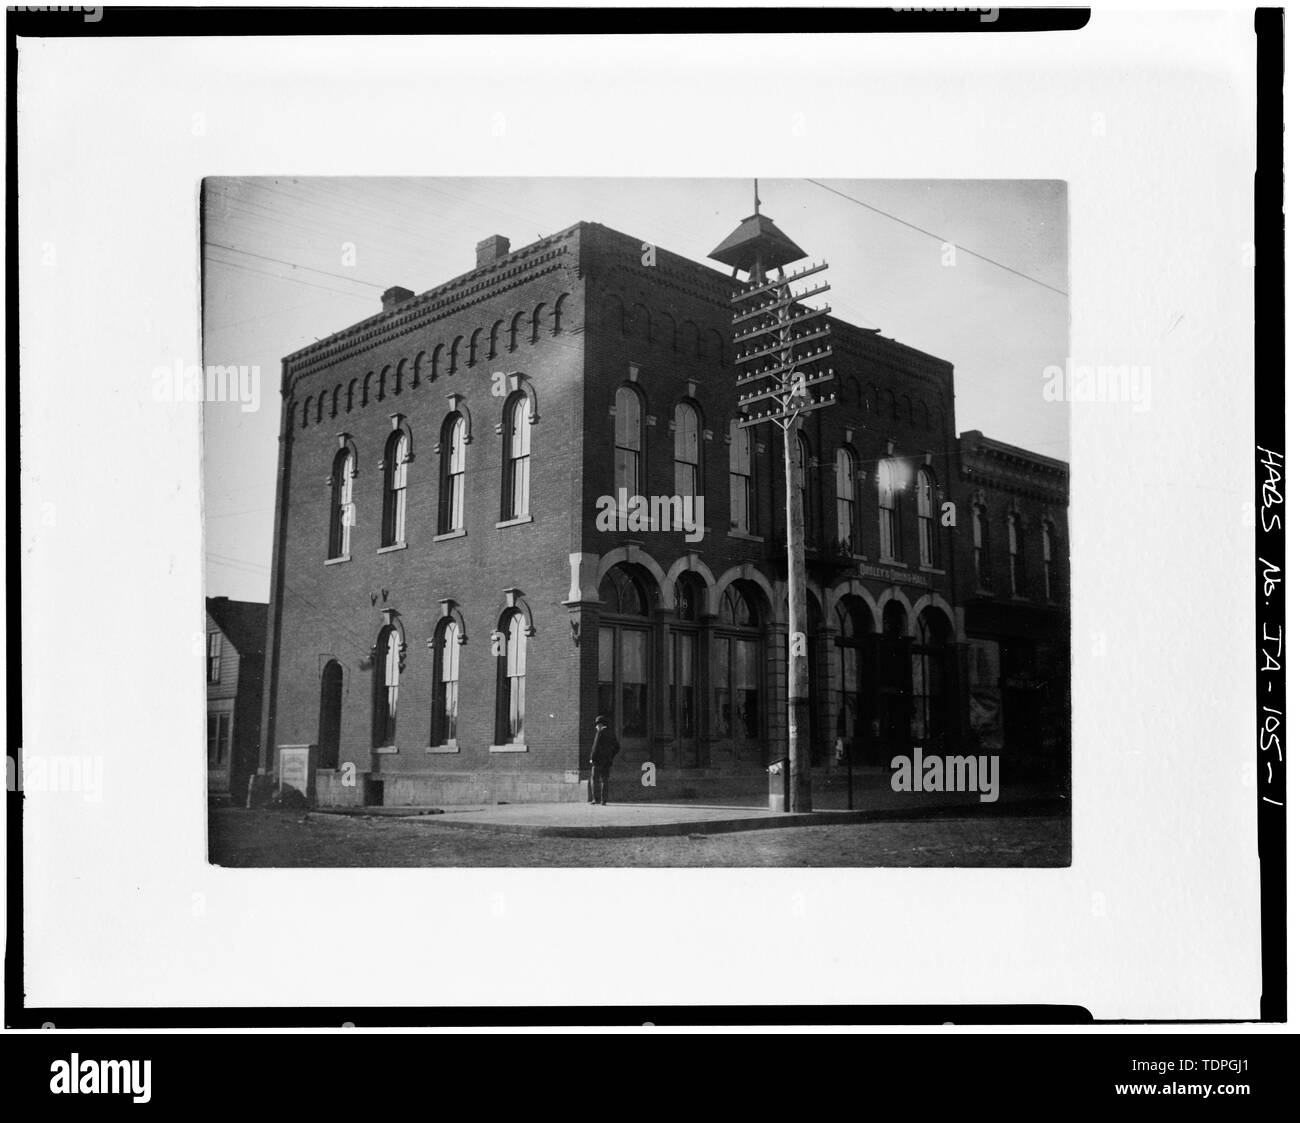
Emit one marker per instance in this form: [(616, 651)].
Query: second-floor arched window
[(887, 485), (395, 457), (1051, 578), (925, 517), (979, 536), (627, 441), (341, 510), (686, 450), (1016, 546), (742, 479), (515, 447), (451, 490), (846, 505)]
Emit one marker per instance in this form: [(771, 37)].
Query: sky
[(972, 271)]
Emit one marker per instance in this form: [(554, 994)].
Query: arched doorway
[(331, 714), (854, 678), (736, 667), (625, 663), (683, 701), (895, 683), (930, 675)]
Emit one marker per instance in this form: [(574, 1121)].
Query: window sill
[(449, 747), (385, 750), (893, 563), (390, 549), (450, 534), (515, 522), (744, 536), (932, 569), (516, 747), (339, 560)]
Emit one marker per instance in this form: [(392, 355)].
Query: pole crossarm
[(773, 305), (785, 413), (782, 369), (787, 345), (748, 292), (781, 324), (785, 388)]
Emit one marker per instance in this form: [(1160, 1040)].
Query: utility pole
[(780, 344)]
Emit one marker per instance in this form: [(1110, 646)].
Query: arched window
[(329, 721), (396, 454), (446, 681), (1051, 579), (451, 492), (512, 666), (627, 441), (386, 672), (803, 470), (736, 668), (515, 443), (888, 481), (925, 517), (979, 535), (742, 479), (623, 656), (846, 473), (342, 514), (686, 450), (1016, 546)]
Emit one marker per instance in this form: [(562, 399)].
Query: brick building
[(1013, 546), (452, 603), (236, 656)]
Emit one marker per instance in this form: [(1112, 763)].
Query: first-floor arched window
[(387, 670), (446, 683), (512, 668)]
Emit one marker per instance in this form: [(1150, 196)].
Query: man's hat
[(601, 720)]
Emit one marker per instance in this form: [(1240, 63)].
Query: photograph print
[(639, 522)]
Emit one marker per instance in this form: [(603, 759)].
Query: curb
[(1042, 807)]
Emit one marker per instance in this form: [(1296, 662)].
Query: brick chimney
[(491, 249), (395, 296)]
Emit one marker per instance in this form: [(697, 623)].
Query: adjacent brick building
[(452, 603)]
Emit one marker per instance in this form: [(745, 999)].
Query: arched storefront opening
[(684, 672), (736, 666), (854, 678), (931, 674), (895, 683), (331, 714), (625, 659), (820, 743)]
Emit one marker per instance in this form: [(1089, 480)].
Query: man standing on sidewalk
[(603, 751)]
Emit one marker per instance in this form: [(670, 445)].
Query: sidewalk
[(644, 819)]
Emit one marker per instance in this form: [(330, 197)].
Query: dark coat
[(605, 748)]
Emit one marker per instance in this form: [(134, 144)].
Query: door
[(331, 714), (683, 699)]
